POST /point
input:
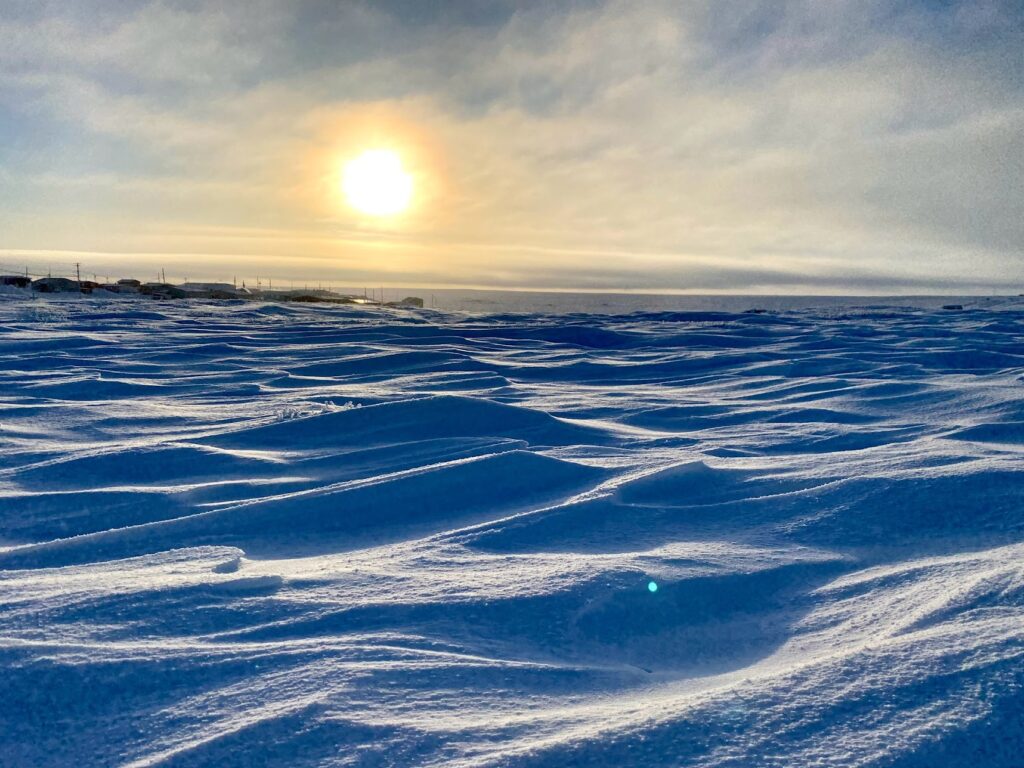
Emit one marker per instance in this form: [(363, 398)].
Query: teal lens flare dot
[(652, 586)]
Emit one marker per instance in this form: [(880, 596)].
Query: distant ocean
[(492, 302)]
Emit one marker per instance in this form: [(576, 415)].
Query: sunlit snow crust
[(242, 535)]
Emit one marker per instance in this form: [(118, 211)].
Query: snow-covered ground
[(243, 535)]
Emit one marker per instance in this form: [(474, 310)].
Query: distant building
[(55, 285), (212, 291), (408, 301), (18, 281), (125, 285), (162, 291)]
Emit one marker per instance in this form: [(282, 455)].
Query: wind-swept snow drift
[(264, 535)]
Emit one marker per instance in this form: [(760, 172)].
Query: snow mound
[(410, 420)]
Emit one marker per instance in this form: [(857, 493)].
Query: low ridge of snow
[(247, 534)]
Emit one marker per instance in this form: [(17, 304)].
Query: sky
[(823, 146)]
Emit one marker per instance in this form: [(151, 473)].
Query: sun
[(374, 183)]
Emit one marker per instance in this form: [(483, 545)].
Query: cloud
[(789, 146)]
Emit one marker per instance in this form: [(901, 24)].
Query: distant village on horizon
[(164, 291)]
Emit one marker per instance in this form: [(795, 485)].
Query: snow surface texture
[(243, 535)]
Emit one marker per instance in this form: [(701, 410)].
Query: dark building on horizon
[(56, 285)]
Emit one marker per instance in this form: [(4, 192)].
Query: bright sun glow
[(375, 184)]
